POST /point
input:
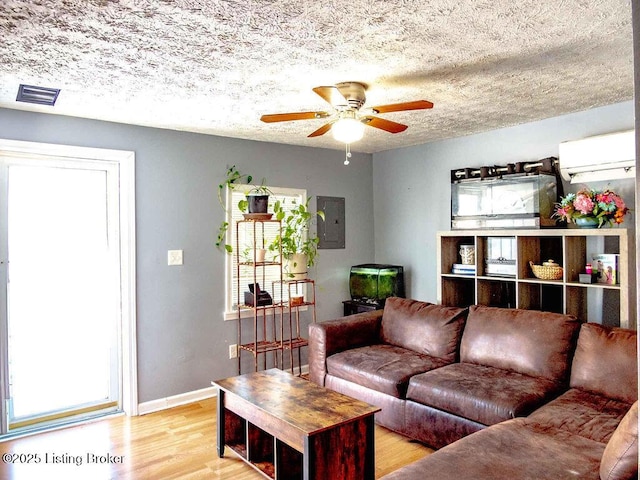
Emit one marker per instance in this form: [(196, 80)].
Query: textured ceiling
[(216, 66)]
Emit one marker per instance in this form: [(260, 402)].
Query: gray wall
[(182, 338), (412, 189)]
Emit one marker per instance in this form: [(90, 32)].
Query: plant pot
[(295, 266), (258, 203), (259, 255), (587, 222), (296, 300)]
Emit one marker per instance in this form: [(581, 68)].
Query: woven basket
[(548, 271)]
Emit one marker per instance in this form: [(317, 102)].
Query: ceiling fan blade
[(322, 130), (399, 107), (383, 124), (285, 117), (332, 95)]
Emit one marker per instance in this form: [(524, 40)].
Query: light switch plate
[(174, 257)]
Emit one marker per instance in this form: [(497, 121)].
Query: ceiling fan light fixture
[(345, 122), (347, 130)]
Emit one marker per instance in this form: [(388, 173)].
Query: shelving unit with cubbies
[(570, 248)]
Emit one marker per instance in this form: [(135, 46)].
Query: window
[(265, 234)]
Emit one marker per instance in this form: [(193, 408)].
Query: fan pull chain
[(347, 153)]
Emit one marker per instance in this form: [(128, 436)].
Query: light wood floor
[(178, 443)]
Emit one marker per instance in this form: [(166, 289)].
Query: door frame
[(126, 177)]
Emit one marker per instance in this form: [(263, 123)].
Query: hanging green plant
[(232, 179)]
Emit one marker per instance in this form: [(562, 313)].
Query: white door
[(60, 252)]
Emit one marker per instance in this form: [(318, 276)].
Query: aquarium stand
[(354, 306)]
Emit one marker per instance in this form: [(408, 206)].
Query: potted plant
[(233, 177), (299, 248), (253, 255), (256, 201), (592, 208)]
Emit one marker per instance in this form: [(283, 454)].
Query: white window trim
[(230, 313), (126, 165)]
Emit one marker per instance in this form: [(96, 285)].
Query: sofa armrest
[(327, 338)]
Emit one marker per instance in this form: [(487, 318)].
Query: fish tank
[(373, 283), (512, 201)]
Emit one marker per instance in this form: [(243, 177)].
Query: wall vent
[(39, 95)]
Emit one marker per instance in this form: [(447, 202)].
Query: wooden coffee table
[(289, 428)]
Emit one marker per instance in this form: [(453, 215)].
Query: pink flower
[(620, 205), (583, 204)]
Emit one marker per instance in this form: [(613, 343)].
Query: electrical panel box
[(331, 230)]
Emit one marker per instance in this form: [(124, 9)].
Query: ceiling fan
[(346, 120)]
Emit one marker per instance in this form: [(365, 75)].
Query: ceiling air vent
[(39, 95)]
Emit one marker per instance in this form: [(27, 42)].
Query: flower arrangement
[(602, 206)]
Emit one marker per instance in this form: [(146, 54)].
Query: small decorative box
[(585, 278)]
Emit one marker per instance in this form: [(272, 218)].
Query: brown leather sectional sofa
[(545, 393)]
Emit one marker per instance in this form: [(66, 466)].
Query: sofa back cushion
[(423, 327), (530, 342), (605, 362), (620, 457)]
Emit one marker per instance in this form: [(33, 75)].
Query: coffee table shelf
[(260, 449)]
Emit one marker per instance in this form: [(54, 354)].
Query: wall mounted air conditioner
[(604, 157)]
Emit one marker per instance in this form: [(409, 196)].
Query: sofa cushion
[(620, 458), (481, 393), (426, 328), (582, 413), (515, 449), (384, 368), (534, 343), (605, 362)]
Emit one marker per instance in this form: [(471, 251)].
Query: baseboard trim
[(188, 397), (176, 400)]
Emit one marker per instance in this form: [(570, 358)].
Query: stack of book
[(462, 269)]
